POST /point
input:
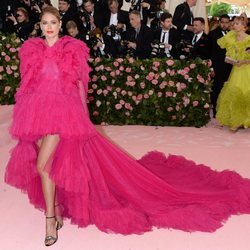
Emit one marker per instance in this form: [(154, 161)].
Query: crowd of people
[(69, 170), (146, 30)]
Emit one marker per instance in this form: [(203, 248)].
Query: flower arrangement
[(9, 67), (128, 91), (150, 92)]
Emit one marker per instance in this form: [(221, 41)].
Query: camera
[(123, 48), (158, 49), (9, 11), (182, 45), (113, 30)]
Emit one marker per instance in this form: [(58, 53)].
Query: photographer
[(165, 38), (68, 14), (200, 45), (154, 21), (116, 21), (139, 37), (21, 24), (91, 16)]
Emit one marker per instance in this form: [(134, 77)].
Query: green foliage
[(150, 92), (128, 91), (9, 67), (218, 9)]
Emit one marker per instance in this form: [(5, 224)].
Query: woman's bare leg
[(47, 148)]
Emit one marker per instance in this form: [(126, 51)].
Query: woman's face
[(238, 25), (20, 16), (50, 26)]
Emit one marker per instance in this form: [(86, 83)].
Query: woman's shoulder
[(70, 43)]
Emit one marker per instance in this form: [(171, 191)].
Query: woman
[(21, 24), (233, 108), (61, 161)]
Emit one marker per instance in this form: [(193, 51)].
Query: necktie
[(194, 39), (163, 37)]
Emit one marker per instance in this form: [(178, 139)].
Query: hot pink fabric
[(97, 183)]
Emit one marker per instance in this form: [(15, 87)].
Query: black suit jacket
[(202, 47), (183, 16), (122, 17), (143, 41), (173, 39)]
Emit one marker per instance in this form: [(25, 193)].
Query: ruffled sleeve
[(226, 41), (29, 60)]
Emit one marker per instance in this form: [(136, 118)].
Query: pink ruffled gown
[(96, 182)]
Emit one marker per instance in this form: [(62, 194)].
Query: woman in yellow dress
[(233, 107)]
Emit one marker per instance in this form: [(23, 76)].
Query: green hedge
[(128, 91), (150, 92)]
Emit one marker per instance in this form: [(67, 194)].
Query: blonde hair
[(25, 12), (243, 19), (51, 10), (71, 25)]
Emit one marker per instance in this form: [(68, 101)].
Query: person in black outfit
[(68, 14), (183, 19), (167, 35), (221, 68), (139, 37), (22, 26)]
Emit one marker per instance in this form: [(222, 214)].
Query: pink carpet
[(22, 227)]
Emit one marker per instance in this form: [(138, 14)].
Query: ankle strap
[(50, 217)]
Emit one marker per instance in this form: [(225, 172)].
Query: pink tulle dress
[(97, 183)]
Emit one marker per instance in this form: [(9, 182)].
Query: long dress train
[(96, 182)]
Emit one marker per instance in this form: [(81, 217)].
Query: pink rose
[(6, 89), (171, 83), (131, 60), (169, 93), (122, 102), (128, 70), (173, 117), (118, 89), (172, 72), (120, 60), (12, 50), (177, 107), (151, 74), (169, 109), (139, 97), (117, 72), (99, 91), (163, 74), (124, 92), (149, 78), (94, 86), (183, 85), (112, 74), (154, 82), (170, 62), (97, 59), (1, 68), (192, 66), (16, 74), (90, 91), (118, 106), (7, 58), (146, 96), (127, 105), (127, 113), (155, 68), (130, 78), (94, 78), (130, 93), (156, 64), (95, 113), (105, 92), (116, 64), (103, 78), (195, 103), (109, 88), (121, 68), (134, 98), (108, 68)]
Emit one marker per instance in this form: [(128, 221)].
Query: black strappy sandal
[(51, 240)]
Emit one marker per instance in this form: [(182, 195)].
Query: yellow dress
[(233, 106)]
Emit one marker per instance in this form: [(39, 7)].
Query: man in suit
[(183, 19), (167, 35), (200, 45), (139, 37), (221, 68), (68, 14)]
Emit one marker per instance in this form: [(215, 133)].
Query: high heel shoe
[(51, 240), (58, 217)]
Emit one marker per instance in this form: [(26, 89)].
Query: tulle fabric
[(97, 182), (233, 106)]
